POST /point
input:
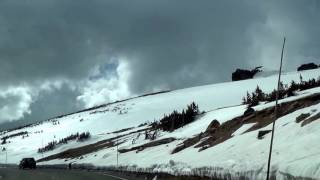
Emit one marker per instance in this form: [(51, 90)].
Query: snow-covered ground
[(296, 148)]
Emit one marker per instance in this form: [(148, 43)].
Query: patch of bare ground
[(121, 130), (216, 135), (149, 144), (188, 143), (80, 151), (267, 116)]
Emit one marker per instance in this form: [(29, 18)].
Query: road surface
[(53, 174)]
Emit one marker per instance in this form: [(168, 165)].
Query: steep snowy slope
[(296, 149)]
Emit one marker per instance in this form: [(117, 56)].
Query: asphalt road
[(53, 174)]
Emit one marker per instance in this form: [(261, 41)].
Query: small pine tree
[(249, 99), (293, 87), (282, 91), (259, 94), (183, 114), (146, 135), (244, 101), (254, 100)]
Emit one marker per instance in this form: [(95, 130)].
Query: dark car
[(27, 163)]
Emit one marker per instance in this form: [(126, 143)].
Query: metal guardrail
[(8, 165)]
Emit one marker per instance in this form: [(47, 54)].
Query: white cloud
[(107, 88), (14, 103)]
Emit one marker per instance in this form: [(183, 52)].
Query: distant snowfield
[(296, 148)]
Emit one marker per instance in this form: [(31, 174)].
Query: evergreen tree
[(176, 119), (244, 101), (259, 94), (4, 141), (249, 99)]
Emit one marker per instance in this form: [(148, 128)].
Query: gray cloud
[(64, 39), (39, 40), (163, 44), (298, 21), (52, 103)]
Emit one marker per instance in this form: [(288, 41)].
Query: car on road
[(28, 163)]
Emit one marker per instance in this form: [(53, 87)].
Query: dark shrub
[(262, 133), (302, 117), (4, 141), (249, 111), (176, 119), (84, 136)]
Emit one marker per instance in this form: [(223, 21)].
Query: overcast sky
[(58, 56)]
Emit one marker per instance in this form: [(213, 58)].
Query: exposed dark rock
[(307, 66), (242, 74), (311, 119), (262, 133), (187, 143), (213, 126), (302, 117)]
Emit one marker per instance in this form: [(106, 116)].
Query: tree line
[(253, 98), (53, 144), (177, 119), (4, 138)]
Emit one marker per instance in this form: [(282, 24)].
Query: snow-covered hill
[(296, 149)]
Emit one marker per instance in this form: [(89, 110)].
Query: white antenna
[(117, 154), (42, 146), (275, 110), (117, 150)]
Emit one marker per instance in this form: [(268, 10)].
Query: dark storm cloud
[(53, 103), (44, 39), (299, 22), (198, 43), (164, 44), (47, 39)]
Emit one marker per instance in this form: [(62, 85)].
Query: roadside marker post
[(6, 157)]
